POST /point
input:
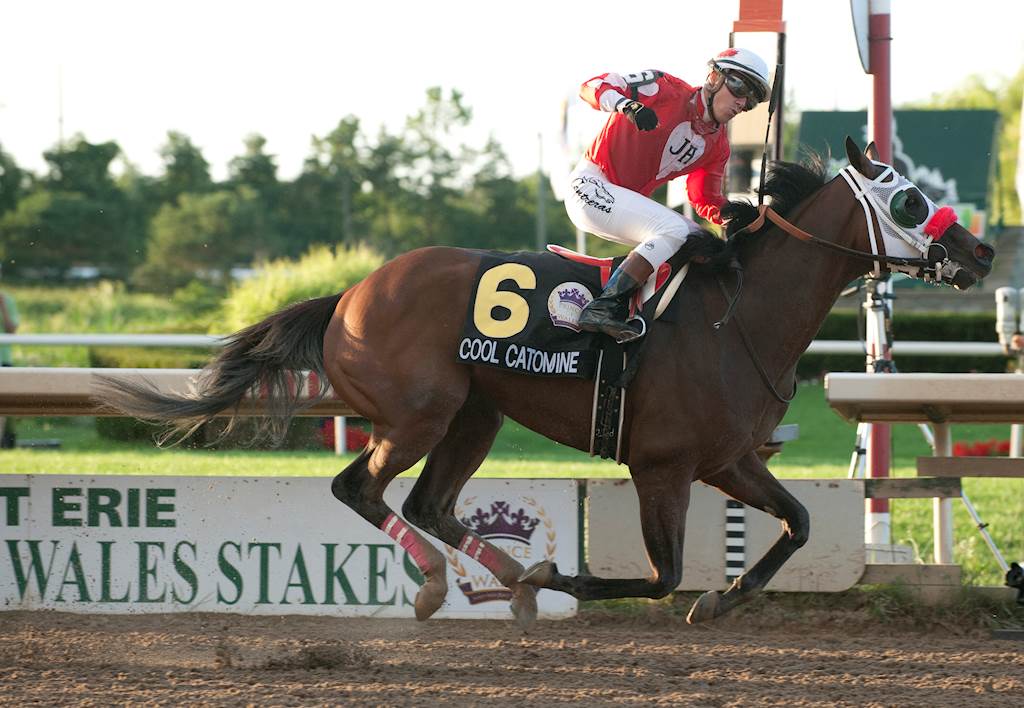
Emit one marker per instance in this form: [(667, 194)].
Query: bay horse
[(699, 407)]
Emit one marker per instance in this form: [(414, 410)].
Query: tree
[(324, 204), (186, 171), (256, 169), (82, 167), (339, 155), (202, 237), (420, 179), (48, 232), (75, 215), (12, 182)]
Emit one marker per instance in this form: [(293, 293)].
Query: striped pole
[(735, 540)]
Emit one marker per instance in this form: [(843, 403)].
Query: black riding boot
[(608, 312)]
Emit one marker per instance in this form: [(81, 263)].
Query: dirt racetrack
[(760, 657)]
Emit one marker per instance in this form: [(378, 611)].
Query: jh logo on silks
[(682, 149)]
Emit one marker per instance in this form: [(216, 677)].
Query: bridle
[(870, 193), (930, 265), (923, 238)]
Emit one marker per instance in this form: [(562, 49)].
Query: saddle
[(523, 317), (658, 284)]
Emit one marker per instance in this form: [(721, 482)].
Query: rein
[(766, 212), (748, 344)]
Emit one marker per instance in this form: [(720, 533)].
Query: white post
[(1017, 430), (339, 435), (942, 509), (542, 227), (877, 519), (857, 457), (1008, 328)]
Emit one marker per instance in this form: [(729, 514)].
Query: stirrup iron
[(637, 335)]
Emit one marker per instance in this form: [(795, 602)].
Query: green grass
[(822, 451), (517, 453)]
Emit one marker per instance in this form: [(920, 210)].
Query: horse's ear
[(858, 159), (872, 151)]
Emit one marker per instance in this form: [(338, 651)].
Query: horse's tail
[(267, 358)]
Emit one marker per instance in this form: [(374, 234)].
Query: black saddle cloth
[(523, 312)]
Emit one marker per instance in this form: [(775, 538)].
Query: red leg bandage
[(405, 537), (940, 221), (479, 551)]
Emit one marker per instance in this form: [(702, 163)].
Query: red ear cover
[(942, 220)]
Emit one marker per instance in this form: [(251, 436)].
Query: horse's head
[(912, 226)]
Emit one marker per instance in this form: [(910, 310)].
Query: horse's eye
[(906, 209)]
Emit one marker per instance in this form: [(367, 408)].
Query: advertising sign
[(124, 544), (949, 154)]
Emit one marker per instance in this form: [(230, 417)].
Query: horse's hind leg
[(361, 486), (750, 482), (664, 494), (431, 504)]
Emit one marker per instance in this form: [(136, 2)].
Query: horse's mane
[(787, 184)]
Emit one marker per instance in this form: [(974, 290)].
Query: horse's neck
[(791, 285)]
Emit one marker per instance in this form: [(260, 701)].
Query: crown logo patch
[(566, 302)]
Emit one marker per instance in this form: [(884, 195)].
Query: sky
[(219, 70)]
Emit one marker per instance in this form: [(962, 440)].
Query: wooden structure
[(43, 391), (941, 400)]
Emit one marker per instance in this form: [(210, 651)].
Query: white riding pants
[(617, 214)]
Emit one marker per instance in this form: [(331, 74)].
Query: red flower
[(980, 449), (355, 437)]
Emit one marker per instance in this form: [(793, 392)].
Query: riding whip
[(776, 89)]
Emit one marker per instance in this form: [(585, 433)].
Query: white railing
[(112, 340), (818, 346)]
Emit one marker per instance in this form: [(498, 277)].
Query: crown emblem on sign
[(501, 522)]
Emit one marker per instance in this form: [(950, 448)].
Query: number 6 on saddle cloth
[(523, 317)]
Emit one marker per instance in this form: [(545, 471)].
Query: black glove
[(639, 115)]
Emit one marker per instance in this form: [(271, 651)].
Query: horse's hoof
[(524, 606), (538, 574), (705, 608), (430, 597)]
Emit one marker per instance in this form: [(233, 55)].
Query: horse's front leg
[(749, 481), (664, 494)]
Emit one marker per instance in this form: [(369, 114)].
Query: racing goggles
[(740, 87)]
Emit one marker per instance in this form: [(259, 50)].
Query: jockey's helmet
[(741, 65)]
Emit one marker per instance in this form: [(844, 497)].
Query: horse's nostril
[(984, 253)]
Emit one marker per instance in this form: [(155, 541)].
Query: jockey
[(660, 128)]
